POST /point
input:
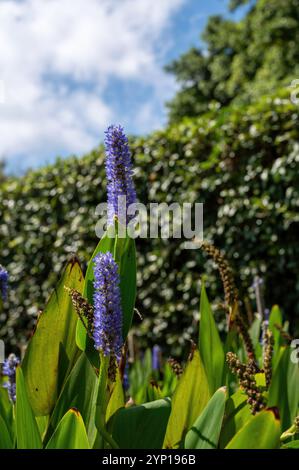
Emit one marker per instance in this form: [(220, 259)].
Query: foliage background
[(241, 162)]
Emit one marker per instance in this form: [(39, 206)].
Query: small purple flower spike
[(3, 283), (9, 370)]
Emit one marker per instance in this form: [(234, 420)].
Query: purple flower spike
[(107, 325), (3, 283), (120, 186), (9, 370), (156, 357)]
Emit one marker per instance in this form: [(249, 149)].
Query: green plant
[(240, 162), (69, 391)]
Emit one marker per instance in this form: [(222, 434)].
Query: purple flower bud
[(3, 282), (107, 324), (9, 370), (119, 174), (156, 358)]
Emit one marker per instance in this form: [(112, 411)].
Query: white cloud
[(57, 58)]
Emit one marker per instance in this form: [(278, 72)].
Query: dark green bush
[(241, 162)]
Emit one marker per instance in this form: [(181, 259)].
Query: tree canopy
[(240, 60)]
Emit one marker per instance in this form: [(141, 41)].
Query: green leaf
[(293, 388), (283, 391), (237, 413), (117, 399), (28, 436), (190, 397), (275, 319), (154, 392), (6, 412), (5, 437), (70, 433), (142, 426), (42, 423), (262, 431), (127, 283), (291, 445), (205, 432), (52, 349), (210, 345), (79, 392), (255, 334)]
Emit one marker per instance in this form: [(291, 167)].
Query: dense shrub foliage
[(242, 163)]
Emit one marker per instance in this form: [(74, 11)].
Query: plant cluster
[(241, 163), (73, 388)]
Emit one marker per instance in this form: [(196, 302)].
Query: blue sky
[(69, 68)]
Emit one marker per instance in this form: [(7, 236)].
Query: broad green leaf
[(5, 437), (142, 426), (283, 391), (205, 432), (262, 431), (237, 413), (79, 392), (70, 433), (28, 436), (128, 283), (52, 349), (210, 345), (190, 397)]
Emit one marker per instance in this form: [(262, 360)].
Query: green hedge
[(241, 162)]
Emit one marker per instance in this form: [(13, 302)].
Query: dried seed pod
[(245, 374), (243, 330), (268, 343), (230, 290), (83, 308), (175, 366)]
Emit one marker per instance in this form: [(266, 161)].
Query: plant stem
[(102, 402)]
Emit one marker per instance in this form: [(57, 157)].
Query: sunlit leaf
[(205, 432), (190, 397), (52, 349), (70, 433), (210, 345), (28, 436), (261, 431)]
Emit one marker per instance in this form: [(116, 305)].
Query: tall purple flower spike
[(3, 282), (107, 325), (119, 174), (9, 370)]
